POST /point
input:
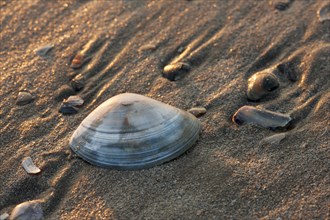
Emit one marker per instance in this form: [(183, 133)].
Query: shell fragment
[(29, 166)]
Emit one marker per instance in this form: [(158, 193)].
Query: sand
[(230, 173)]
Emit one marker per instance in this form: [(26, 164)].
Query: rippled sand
[(231, 172)]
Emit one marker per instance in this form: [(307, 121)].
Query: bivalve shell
[(131, 131), (261, 84)]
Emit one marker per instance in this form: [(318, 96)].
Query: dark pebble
[(175, 71), (282, 6), (64, 92), (67, 109)]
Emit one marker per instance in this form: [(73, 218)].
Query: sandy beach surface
[(230, 173)]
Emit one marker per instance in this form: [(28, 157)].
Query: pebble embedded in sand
[(42, 51), (30, 210), (197, 111), (324, 13), (29, 166), (64, 92), (24, 98), (262, 117), (261, 84), (274, 139), (78, 82), (175, 71)]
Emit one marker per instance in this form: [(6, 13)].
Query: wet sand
[(230, 173)]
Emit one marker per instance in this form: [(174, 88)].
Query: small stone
[(181, 49), (175, 71), (274, 139), (24, 98), (64, 92), (42, 51), (78, 61), (78, 82), (70, 105), (30, 210), (281, 6), (197, 111)]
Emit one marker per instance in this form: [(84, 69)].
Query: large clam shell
[(131, 131)]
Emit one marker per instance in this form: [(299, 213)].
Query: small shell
[(30, 210), (78, 61), (197, 111), (274, 139), (262, 117), (70, 106), (131, 131), (148, 47), (175, 71), (260, 84), (4, 216), (42, 51), (324, 13), (24, 98), (78, 82), (74, 101), (29, 166)]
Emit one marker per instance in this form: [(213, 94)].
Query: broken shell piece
[(29, 166), (262, 117), (260, 84), (30, 210), (274, 139), (175, 71), (324, 13), (42, 51), (197, 111), (24, 98), (74, 101), (148, 47), (4, 216)]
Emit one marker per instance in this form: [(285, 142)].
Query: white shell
[(30, 210), (29, 166), (131, 131)]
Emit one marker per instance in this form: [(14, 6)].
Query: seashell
[(78, 82), (30, 210), (29, 166), (74, 100), (69, 106), (261, 84), (274, 139), (24, 98), (148, 47), (131, 131), (4, 216), (42, 51), (197, 111), (324, 13), (175, 71), (268, 119)]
